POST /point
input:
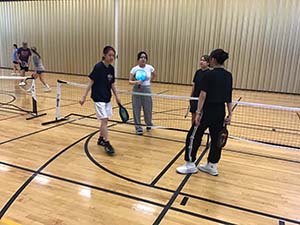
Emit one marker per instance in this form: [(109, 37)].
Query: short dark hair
[(220, 55), (139, 55), (106, 50), (206, 58), (15, 45)]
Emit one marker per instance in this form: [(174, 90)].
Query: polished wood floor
[(56, 174)]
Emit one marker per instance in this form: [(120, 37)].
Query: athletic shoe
[(210, 168), (22, 83), (101, 141), (139, 131), (189, 167), (47, 88), (108, 148), (148, 128)]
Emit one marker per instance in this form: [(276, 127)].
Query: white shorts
[(103, 110)]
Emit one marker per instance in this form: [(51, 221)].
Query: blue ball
[(141, 75)]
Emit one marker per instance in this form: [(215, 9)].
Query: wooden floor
[(56, 174)]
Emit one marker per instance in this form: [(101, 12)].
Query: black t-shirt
[(217, 84), (197, 81), (103, 77), (24, 54)]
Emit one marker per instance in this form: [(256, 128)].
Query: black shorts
[(193, 106), (24, 68), (15, 62), (40, 72)]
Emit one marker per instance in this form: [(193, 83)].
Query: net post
[(58, 95), (58, 102), (34, 112)]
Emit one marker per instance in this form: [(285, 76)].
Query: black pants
[(214, 122)]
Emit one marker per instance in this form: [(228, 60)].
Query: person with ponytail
[(39, 68), (102, 83), (215, 92)]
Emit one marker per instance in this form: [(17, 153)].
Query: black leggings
[(215, 126)]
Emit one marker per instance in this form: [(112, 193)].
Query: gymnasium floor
[(56, 174)]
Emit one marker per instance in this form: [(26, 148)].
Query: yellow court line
[(9, 222)]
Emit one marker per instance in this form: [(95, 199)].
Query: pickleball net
[(262, 123)]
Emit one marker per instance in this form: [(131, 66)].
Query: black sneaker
[(101, 141), (148, 128), (139, 131), (108, 148)]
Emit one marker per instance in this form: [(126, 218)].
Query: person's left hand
[(228, 120)]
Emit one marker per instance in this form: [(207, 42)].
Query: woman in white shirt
[(142, 86)]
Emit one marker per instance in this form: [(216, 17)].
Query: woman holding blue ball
[(141, 76)]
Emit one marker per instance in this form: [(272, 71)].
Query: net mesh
[(13, 98), (264, 123)]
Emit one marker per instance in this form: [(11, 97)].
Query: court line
[(9, 222), (41, 130), (163, 189), (167, 167), (216, 202), (224, 149), (178, 190), (28, 181), (190, 195), (262, 156), (116, 193)]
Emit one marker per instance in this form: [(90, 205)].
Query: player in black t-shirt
[(102, 80), (216, 90), (204, 68)]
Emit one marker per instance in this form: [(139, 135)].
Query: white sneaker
[(210, 168), (189, 167), (47, 89), (22, 83)]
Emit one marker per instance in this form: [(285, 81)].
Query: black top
[(103, 77), (197, 81), (217, 84), (24, 54)]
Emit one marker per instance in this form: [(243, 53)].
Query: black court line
[(28, 181), (262, 156), (160, 175), (256, 212), (224, 149), (187, 194), (120, 194), (172, 191), (178, 190), (39, 131), (125, 132)]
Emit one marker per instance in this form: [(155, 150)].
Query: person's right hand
[(197, 119), (82, 101), (139, 82)]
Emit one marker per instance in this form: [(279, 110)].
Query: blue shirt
[(15, 55)]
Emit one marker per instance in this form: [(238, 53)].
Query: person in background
[(142, 86), (215, 92), (15, 61), (39, 69), (23, 58), (204, 69)]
